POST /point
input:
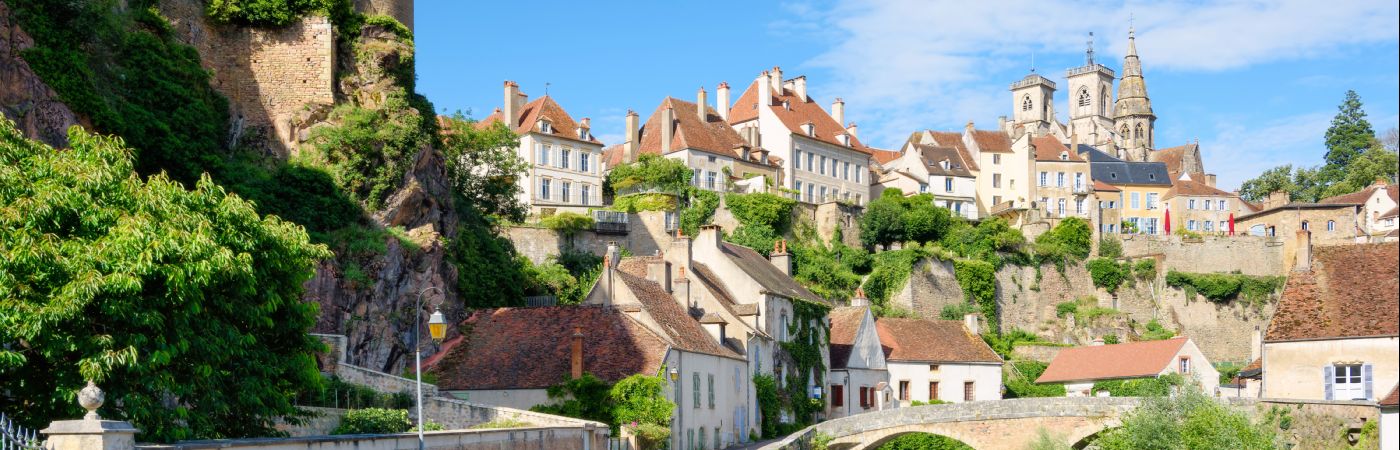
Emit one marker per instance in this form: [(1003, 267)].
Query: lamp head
[(437, 326)]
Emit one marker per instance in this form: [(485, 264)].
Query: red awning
[(1232, 224)]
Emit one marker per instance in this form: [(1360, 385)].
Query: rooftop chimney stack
[(510, 115), (780, 257), (576, 359), (775, 79), (722, 100), (859, 300), (702, 101), (681, 288), (1304, 251), (799, 87), (668, 116), (659, 272), (629, 148), (1256, 343), (973, 323), (709, 235), (838, 110), (851, 129), (765, 90)]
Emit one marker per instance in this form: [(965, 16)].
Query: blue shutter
[(1327, 373), (1366, 380)]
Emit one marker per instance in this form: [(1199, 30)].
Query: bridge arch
[(995, 424)]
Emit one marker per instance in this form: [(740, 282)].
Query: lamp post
[(437, 328)]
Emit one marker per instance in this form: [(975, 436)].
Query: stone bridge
[(986, 425)]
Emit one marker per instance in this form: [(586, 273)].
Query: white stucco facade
[(1390, 427), (1298, 369), (712, 396), (563, 174), (951, 381)]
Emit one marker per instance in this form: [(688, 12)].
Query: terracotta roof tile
[(885, 156), (563, 125), (684, 331), (1171, 156), (992, 141), (1393, 399), (712, 135), (762, 271), (954, 139), (845, 322), (798, 112), (1194, 188), (530, 348), (1047, 148), (1102, 362), (933, 341), (1105, 187), (1335, 300), (1358, 197)]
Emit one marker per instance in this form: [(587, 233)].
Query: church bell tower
[(1132, 114)]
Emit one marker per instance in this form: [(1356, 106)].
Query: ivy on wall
[(809, 333), (1225, 287)]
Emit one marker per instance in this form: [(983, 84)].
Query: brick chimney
[(668, 116), (511, 114), (576, 358), (1304, 251), (838, 110), (780, 257), (680, 287), (973, 323), (630, 146), (722, 100), (702, 100), (678, 255), (859, 300), (799, 88)]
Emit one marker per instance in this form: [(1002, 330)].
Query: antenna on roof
[(1090, 53), (1032, 61), (546, 89)]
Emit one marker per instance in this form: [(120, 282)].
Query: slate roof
[(845, 323), (530, 348), (1336, 300), (762, 271), (1105, 362), (1194, 188), (798, 112), (932, 341), (1047, 148), (1115, 171), (563, 126)]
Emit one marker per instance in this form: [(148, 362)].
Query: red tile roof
[(845, 322), (932, 341), (563, 125), (798, 112), (681, 329), (1099, 185), (1047, 148), (1393, 399), (885, 156), (712, 135), (992, 141), (1195, 189), (1338, 299), (1361, 196), (530, 348), (1103, 362), (1173, 157)]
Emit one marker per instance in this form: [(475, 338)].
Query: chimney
[(1277, 199), (799, 87), (668, 116), (722, 100), (780, 257), (576, 359), (583, 127), (1001, 122), (512, 109), (859, 300), (973, 323), (1304, 251), (680, 288), (851, 129), (679, 253), (709, 236), (765, 90), (838, 110), (659, 272), (629, 148), (1256, 343), (612, 254), (1210, 180), (775, 79), (702, 101)]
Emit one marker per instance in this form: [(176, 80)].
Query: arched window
[(1137, 134), (1026, 103), (1103, 102), (782, 327), (1331, 225), (1084, 99), (1125, 132)]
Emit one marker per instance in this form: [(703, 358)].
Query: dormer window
[(1064, 156), (809, 129), (584, 134), (545, 127), (943, 164), (787, 105), (845, 139)]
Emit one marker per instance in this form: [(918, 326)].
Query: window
[(809, 162), (904, 389), (695, 177), (858, 199), (969, 391), (1151, 200), (716, 435), (583, 160), (563, 158), (1079, 181), (689, 439), (546, 128), (1305, 224), (1331, 225), (782, 324), (810, 192), (1151, 225), (544, 150), (1191, 225), (933, 367), (833, 167), (1136, 205), (1079, 206), (996, 159), (544, 188), (701, 441), (1222, 205), (1061, 204), (1026, 103), (821, 168), (933, 390), (585, 194), (797, 159), (823, 194), (865, 397), (798, 186), (1084, 97), (923, 187), (1060, 179), (948, 184), (1045, 203), (1043, 177), (1348, 381), (1191, 204), (1137, 134), (710, 179), (564, 188), (1224, 225), (1210, 226), (996, 200), (838, 395), (996, 180), (845, 171), (712, 390), (695, 377), (859, 170)]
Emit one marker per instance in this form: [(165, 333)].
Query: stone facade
[(1249, 255), (268, 74), (1327, 224), (401, 10), (24, 98), (648, 233)]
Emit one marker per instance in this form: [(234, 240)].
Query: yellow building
[(1144, 187)]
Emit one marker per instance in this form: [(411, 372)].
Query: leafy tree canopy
[(1350, 133), (895, 218), (483, 166), (649, 173), (184, 305)]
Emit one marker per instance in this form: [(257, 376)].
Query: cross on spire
[(1089, 54)]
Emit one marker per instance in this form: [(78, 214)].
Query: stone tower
[(1132, 114), (1033, 102), (1091, 99)]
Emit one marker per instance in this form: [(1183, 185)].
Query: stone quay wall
[(533, 438)]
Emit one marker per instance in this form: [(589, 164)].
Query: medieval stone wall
[(268, 74), (646, 235), (24, 98), (1250, 255), (401, 10)]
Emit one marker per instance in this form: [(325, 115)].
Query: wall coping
[(343, 438)]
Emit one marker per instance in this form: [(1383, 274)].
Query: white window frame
[(1059, 179), (584, 192), (1044, 178), (564, 188), (546, 185), (544, 150)]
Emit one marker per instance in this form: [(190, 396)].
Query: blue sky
[(1255, 82)]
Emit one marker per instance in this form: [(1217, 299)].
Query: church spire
[(1133, 115)]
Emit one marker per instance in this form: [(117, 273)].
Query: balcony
[(610, 222), (1083, 189)]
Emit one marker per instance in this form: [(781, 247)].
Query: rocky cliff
[(24, 98)]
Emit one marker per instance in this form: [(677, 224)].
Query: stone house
[(1326, 223), (563, 157), (1078, 368), (1062, 184), (944, 360), (1335, 333), (1201, 208), (699, 136), (859, 378), (1143, 186), (1378, 208), (1110, 205), (822, 159), (924, 168)]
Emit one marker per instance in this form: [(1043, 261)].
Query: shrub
[(1223, 287), (926, 403), (992, 240), (650, 173), (650, 436), (1070, 240), (374, 421), (759, 237), (644, 202), (263, 13), (1107, 273), (1155, 332), (1140, 387), (828, 271), (1145, 269), (957, 311), (762, 208), (891, 270), (641, 399), (1187, 421), (567, 223), (923, 441), (1020, 381), (1066, 308), (1110, 339), (366, 150), (1110, 248), (699, 211)]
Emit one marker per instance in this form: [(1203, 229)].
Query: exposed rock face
[(24, 98)]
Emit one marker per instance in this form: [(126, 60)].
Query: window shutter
[(1366, 380), (1327, 382)]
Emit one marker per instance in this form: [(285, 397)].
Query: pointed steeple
[(1132, 113)]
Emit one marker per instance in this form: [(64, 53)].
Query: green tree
[(1350, 134), (924, 222), (641, 398), (649, 172), (1377, 163), (1070, 240), (923, 441), (883, 222), (1189, 420), (184, 305), (483, 166), (1279, 178), (586, 397)]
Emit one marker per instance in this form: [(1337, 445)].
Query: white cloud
[(1238, 152), (902, 65)]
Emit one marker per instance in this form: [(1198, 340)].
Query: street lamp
[(437, 328)]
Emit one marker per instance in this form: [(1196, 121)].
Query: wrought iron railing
[(15, 437)]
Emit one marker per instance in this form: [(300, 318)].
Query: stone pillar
[(90, 433)]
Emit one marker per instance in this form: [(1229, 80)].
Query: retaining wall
[(495, 439), (1250, 255)]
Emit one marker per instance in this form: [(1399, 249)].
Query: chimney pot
[(702, 102), (973, 323), (722, 100), (576, 357)]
